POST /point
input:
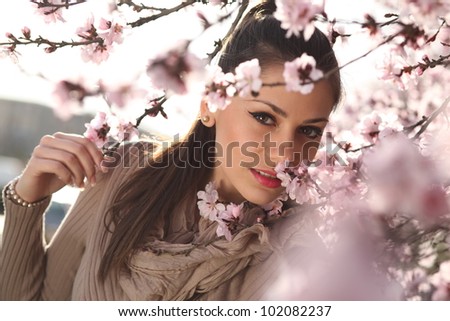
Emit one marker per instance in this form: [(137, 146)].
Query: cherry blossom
[(297, 16), (227, 220), (68, 97), (97, 129), (442, 283), (300, 74), (247, 78), (121, 129), (274, 207), (105, 36), (208, 206), (50, 14), (169, 70), (219, 88), (10, 52), (108, 125)]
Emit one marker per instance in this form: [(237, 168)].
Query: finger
[(69, 160), (78, 148), (54, 167), (95, 152)]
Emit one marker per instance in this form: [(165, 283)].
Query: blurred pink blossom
[(68, 98), (297, 16), (170, 70), (219, 88), (247, 78), (300, 74), (50, 14)]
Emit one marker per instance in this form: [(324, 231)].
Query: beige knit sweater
[(173, 269)]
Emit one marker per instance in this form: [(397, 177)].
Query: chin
[(262, 198)]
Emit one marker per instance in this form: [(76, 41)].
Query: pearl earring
[(205, 118)]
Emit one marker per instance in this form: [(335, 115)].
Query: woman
[(135, 231)]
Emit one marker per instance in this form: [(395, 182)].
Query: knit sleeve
[(30, 269)]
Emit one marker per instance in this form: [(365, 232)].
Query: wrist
[(12, 194)]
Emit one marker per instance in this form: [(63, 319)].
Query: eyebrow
[(281, 112)]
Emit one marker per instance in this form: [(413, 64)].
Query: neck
[(226, 192)]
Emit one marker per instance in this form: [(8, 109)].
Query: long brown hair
[(176, 173)]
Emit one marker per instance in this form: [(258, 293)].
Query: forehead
[(318, 103)]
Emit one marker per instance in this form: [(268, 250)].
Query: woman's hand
[(60, 159)]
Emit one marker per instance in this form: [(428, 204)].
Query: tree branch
[(233, 26), (164, 12)]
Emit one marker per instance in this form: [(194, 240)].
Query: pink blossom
[(121, 94), (300, 74), (112, 31), (170, 70), (274, 207), (208, 206), (121, 129), (370, 126), (107, 34), (68, 97), (50, 14), (301, 188), (97, 130), (227, 218), (402, 179), (302, 191), (105, 126), (95, 52), (10, 52), (231, 213), (247, 78), (282, 171), (442, 283), (297, 16), (219, 88), (394, 68)]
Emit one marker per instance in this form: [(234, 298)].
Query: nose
[(281, 147)]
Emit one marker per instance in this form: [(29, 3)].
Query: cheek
[(310, 149), (305, 150)]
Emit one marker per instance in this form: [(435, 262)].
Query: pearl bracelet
[(12, 195)]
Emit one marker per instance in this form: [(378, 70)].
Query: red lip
[(264, 180)]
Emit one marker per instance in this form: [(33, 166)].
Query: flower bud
[(9, 35), (26, 32), (50, 49)]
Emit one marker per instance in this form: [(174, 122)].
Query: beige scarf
[(170, 271)]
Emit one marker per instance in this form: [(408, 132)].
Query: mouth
[(266, 178)]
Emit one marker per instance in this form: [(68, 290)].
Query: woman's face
[(253, 134)]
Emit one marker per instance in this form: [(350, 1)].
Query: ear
[(206, 116)]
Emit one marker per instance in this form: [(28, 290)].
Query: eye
[(311, 132), (263, 118)]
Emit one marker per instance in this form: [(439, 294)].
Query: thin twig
[(432, 117), (41, 41), (138, 7), (163, 13), (233, 26), (65, 4)]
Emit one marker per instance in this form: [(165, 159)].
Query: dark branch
[(163, 13), (233, 26)]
